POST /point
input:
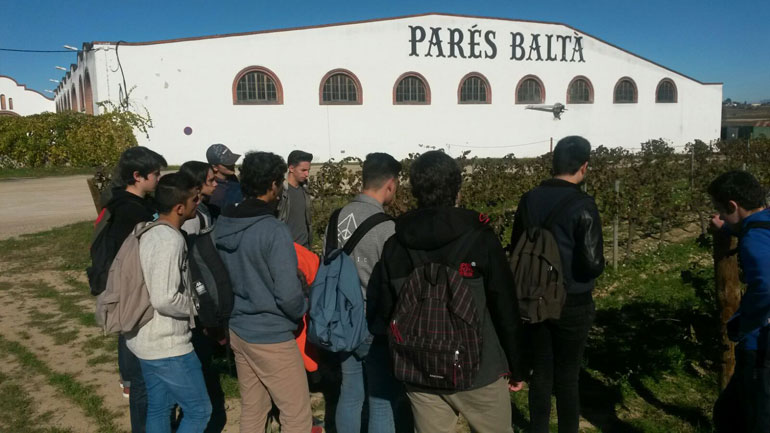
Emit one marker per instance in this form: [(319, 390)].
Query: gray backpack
[(537, 268), (124, 306)]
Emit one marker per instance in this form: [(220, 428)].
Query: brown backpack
[(537, 268), (124, 306)]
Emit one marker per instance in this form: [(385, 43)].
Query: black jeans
[(744, 405), (131, 373), (557, 348), (204, 347)]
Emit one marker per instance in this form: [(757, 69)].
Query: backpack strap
[(559, 208), (363, 229), (331, 232), (201, 220)]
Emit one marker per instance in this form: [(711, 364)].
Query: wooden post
[(615, 228), (728, 289), (551, 144)]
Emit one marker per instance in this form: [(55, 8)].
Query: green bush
[(65, 139), (661, 187)]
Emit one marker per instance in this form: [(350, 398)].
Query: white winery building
[(17, 100), (398, 85)]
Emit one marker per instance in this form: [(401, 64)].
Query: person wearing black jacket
[(434, 229), (557, 345), (137, 173)]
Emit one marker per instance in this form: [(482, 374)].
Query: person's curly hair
[(435, 179), (258, 172)]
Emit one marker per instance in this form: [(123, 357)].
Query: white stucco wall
[(189, 83), (25, 101)]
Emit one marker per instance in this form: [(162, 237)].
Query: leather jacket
[(577, 229)]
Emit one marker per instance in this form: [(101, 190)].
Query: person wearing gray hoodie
[(269, 304)]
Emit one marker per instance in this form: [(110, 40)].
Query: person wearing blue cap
[(228, 190)]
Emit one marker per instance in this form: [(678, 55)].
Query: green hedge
[(65, 139)]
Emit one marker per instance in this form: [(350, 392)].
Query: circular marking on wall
[(187, 130)]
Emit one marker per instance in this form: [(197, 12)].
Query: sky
[(709, 40)]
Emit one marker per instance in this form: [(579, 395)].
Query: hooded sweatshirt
[(127, 210), (436, 232), (258, 252)]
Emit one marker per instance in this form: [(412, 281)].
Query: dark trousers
[(557, 348), (744, 406), (204, 347), (131, 374)]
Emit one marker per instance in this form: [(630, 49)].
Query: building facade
[(399, 85), (17, 100)]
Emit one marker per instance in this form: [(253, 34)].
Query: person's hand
[(716, 223), (515, 386)]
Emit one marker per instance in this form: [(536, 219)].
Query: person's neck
[(135, 190), (292, 181), (375, 194), (267, 198), (172, 218), (571, 178), (748, 213)]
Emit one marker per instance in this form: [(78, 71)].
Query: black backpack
[(435, 330), (103, 251), (210, 278), (537, 268)]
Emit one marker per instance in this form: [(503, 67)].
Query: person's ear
[(137, 177), (179, 209), (732, 206), (584, 168)]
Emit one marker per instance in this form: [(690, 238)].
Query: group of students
[(262, 228)]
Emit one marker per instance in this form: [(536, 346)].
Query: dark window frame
[(487, 89), (413, 75), (634, 87), (525, 79), (674, 90), (258, 70), (589, 87), (356, 83)]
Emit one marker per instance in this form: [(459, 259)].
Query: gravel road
[(33, 205)]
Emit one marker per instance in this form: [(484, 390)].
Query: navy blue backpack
[(337, 311)]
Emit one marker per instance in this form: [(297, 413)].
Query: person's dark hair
[(738, 186), (378, 169), (435, 179), (197, 170), (139, 159), (173, 189), (570, 154), (258, 172), (297, 156)]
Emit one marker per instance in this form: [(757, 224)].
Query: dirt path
[(33, 205)]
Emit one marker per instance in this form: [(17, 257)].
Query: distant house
[(17, 100)]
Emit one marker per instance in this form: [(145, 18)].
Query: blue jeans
[(370, 362), (176, 380)]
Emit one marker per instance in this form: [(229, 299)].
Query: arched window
[(74, 99), (580, 91), (80, 94), (2, 102), (474, 89), (88, 94), (257, 85), (530, 90), (10, 103), (625, 91), (340, 87), (666, 91), (411, 89)]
